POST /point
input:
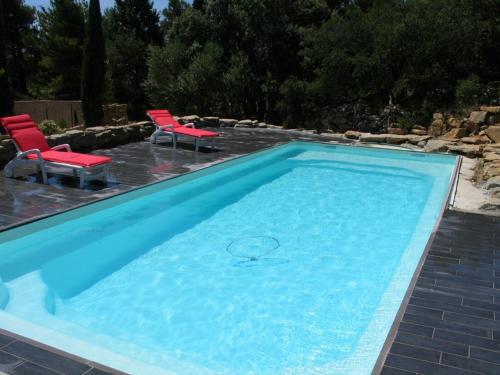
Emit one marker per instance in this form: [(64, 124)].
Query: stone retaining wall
[(86, 140)]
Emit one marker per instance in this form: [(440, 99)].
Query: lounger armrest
[(167, 127), (24, 154), (65, 147), (190, 125)]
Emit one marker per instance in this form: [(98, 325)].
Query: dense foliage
[(286, 61), (5, 90), (62, 33), (93, 67), (130, 27)]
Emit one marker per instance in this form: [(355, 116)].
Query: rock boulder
[(471, 151), (352, 134), (418, 132), (437, 127), (417, 139), (437, 145), (493, 133), (397, 131), (454, 122), (190, 118), (491, 156), (397, 139), (490, 109), (478, 117), (210, 121), (373, 138), (244, 124), (227, 122), (475, 140), (455, 133)]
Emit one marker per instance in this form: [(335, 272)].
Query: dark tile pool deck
[(135, 165), (450, 325)]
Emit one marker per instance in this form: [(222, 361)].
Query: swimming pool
[(291, 260)]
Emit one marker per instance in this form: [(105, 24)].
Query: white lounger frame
[(84, 173), (168, 130)]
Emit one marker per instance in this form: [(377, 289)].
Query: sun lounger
[(33, 149), (166, 125)]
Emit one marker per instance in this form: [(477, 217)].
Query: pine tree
[(131, 27), (139, 18), (93, 68), (62, 29), (6, 102), (174, 9), (199, 5)]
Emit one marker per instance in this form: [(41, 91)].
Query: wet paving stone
[(463, 284)]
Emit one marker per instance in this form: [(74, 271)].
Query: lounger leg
[(196, 145), (174, 141), (152, 138), (9, 168), (105, 175), (82, 178), (44, 174), (213, 144)]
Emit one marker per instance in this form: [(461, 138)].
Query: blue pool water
[(292, 261)]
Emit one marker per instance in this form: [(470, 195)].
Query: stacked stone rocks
[(86, 140)]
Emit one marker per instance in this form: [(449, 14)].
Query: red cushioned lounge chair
[(33, 149), (166, 125)]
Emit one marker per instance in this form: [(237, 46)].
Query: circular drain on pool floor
[(254, 251)]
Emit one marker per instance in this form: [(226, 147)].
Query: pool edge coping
[(51, 349), (391, 335)]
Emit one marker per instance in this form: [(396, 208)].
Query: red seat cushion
[(73, 158), (197, 133)]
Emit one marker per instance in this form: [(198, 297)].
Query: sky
[(159, 4)]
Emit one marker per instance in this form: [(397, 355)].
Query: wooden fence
[(68, 111)]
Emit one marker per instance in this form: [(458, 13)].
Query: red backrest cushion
[(6, 121), (157, 112), (25, 132), (30, 138)]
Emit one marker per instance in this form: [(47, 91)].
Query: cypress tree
[(6, 102), (93, 68)]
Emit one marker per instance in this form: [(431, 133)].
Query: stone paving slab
[(451, 324)]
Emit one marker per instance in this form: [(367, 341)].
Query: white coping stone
[(468, 196)]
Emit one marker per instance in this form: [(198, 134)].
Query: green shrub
[(405, 122), (468, 91), (62, 124), (49, 127)]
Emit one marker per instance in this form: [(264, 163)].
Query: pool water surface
[(294, 260)]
